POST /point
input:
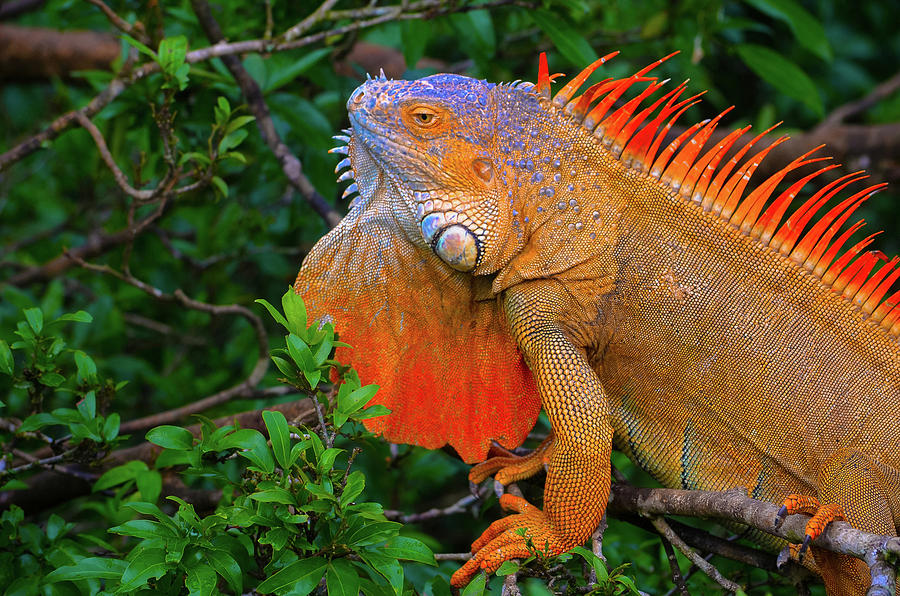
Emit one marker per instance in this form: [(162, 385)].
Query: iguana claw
[(779, 517), (502, 541), (822, 515)]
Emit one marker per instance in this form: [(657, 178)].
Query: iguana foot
[(822, 515), (501, 541), (511, 468)]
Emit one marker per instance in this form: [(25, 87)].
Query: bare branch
[(735, 506), (121, 179), (459, 506), (136, 31), (708, 568), (882, 91)]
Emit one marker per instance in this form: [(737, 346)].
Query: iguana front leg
[(577, 486)]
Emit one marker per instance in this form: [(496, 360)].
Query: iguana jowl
[(511, 248)]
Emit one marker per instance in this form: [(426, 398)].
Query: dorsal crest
[(696, 171)]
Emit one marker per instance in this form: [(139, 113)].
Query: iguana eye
[(424, 117)]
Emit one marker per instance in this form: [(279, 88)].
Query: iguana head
[(429, 145)]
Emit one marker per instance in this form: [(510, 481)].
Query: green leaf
[(56, 527), (78, 317), (87, 370), (508, 568), (782, 74), (280, 437), (88, 405), (805, 27), (356, 482), (141, 47), (143, 564), (149, 485), (594, 561), (220, 185), (88, 568), (477, 31), (227, 567), (414, 34), (238, 122), (35, 319), (222, 111), (357, 398), (301, 576), (111, 427), (341, 578), (172, 51), (38, 421), (52, 379), (119, 474), (387, 567), (291, 70), (279, 318), (295, 311), (366, 533), (141, 528), (254, 448), (7, 364), (409, 549), (476, 586), (566, 38), (232, 140), (288, 369), (171, 437), (201, 580), (326, 460), (274, 495), (372, 412)]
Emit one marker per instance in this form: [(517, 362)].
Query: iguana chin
[(512, 249)]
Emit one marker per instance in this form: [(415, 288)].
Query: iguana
[(511, 248)]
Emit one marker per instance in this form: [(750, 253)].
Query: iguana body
[(658, 307)]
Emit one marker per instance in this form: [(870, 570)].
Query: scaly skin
[(692, 336)]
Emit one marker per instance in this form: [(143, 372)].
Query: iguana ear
[(447, 366)]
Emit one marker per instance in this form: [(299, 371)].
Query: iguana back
[(655, 302)]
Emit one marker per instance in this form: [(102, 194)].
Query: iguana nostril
[(357, 97), (457, 247)]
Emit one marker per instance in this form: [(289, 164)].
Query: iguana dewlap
[(510, 249)]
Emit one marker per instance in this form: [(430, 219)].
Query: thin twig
[(121, 179), (677, 578), (841, 113), (241, 389), (329, 442), (121, 24), (708, 568), (459, 506)]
